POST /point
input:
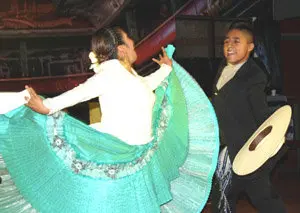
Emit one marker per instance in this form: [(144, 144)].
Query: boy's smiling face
[(238, 45)]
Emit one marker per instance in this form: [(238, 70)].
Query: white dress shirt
[(227, 74), (127, 100)]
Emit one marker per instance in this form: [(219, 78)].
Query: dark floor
[(286, 179)]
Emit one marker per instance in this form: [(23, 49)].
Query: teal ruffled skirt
[(59, 164)]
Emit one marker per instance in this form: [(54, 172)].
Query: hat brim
[(264, 143)]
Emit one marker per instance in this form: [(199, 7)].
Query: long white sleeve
[(153, 80), (12, 100), (91, 88)]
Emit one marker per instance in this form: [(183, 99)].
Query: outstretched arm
[(86, 91)]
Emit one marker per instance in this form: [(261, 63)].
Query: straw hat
[(264, 143)]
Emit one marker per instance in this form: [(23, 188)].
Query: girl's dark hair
[(105, 42), (242, 26)]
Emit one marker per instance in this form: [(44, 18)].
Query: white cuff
[(47, 104)]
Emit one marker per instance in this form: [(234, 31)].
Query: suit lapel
[(240, 73), (219, 72)]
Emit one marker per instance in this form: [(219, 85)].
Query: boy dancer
[(240, 102)]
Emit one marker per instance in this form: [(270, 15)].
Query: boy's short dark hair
[(243, 26)]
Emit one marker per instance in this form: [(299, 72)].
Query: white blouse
[(126, 99)]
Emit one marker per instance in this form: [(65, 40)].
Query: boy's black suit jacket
[(241, 105)]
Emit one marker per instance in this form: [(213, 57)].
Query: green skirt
[(59, 164)]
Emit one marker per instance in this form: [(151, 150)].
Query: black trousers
[(259, 190)]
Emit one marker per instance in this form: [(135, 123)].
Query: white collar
[(236, 66)]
